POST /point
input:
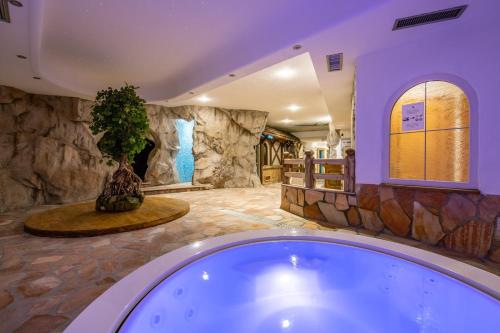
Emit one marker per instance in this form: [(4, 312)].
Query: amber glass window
[(429, 134)]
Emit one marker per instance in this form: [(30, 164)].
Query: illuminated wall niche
[(185, 160), (430, 134)]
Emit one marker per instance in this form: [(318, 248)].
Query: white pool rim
[(107, 312)]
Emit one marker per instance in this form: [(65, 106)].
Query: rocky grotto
[(49, 156)]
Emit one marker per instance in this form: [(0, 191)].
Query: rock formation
[(223, 145), (224, 141), (48, 154)]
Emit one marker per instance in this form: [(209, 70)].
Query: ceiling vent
[(433, 17), (334, 62)]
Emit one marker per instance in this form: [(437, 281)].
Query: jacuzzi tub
[(298, 281)]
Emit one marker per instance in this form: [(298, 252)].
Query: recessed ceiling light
[(232, 75), (20, 56), (37, 77), (203, 99), (285, 73), (325, 119), (294, 107), (286, 121), (297, 47), (15, 3)]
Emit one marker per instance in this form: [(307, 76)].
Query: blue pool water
[(313, 287), (185, 161)]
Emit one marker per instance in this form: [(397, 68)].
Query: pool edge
[(106, 313)]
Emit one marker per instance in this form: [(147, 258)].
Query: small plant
[(120, 115)]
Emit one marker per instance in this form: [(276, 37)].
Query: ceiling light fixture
[(325, 119), (20, 56), (203, 99), (232, 75), (297, 47), (285, 73), (191, 93), (294, 107), (286, 121)]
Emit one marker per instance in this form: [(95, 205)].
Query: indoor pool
[(310, 286)]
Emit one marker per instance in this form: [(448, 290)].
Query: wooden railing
[(305, 169)]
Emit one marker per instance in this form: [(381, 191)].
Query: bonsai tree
[(120, 115)]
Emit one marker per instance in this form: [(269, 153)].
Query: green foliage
[(121, 115)]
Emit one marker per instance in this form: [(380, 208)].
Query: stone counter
[(462, 221)]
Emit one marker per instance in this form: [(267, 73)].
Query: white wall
[(473, 56)]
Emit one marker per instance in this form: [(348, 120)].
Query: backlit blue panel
[(185, 160), (311, 287)]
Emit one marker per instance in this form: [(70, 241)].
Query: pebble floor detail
[(47, 282)]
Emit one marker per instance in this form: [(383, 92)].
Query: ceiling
[(289, 91), (172, 47), (166, 47)]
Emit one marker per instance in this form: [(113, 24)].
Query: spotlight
[(285, 73), (203, 99)]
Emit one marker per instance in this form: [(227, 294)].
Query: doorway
[(140, 164)]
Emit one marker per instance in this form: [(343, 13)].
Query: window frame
[(473, 121)]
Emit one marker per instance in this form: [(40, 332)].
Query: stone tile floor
[(46, 282)]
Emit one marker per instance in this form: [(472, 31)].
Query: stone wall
[(465, 222), (224, 146), (48, 154)]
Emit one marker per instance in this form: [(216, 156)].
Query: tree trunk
[(123, 192)]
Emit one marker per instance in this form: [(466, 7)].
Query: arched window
[(430, 134)]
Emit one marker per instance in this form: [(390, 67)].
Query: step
[(173, 188)]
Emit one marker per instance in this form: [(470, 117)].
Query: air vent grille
[(433, 17), (334, 62)]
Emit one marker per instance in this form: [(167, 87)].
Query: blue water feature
[(185, 160), (304, 287)]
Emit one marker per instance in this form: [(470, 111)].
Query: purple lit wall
[(470, 56)]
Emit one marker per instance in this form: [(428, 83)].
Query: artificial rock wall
[(465, 222), (223, 145), (48, 154)]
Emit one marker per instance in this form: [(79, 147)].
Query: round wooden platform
[(82, 220)]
